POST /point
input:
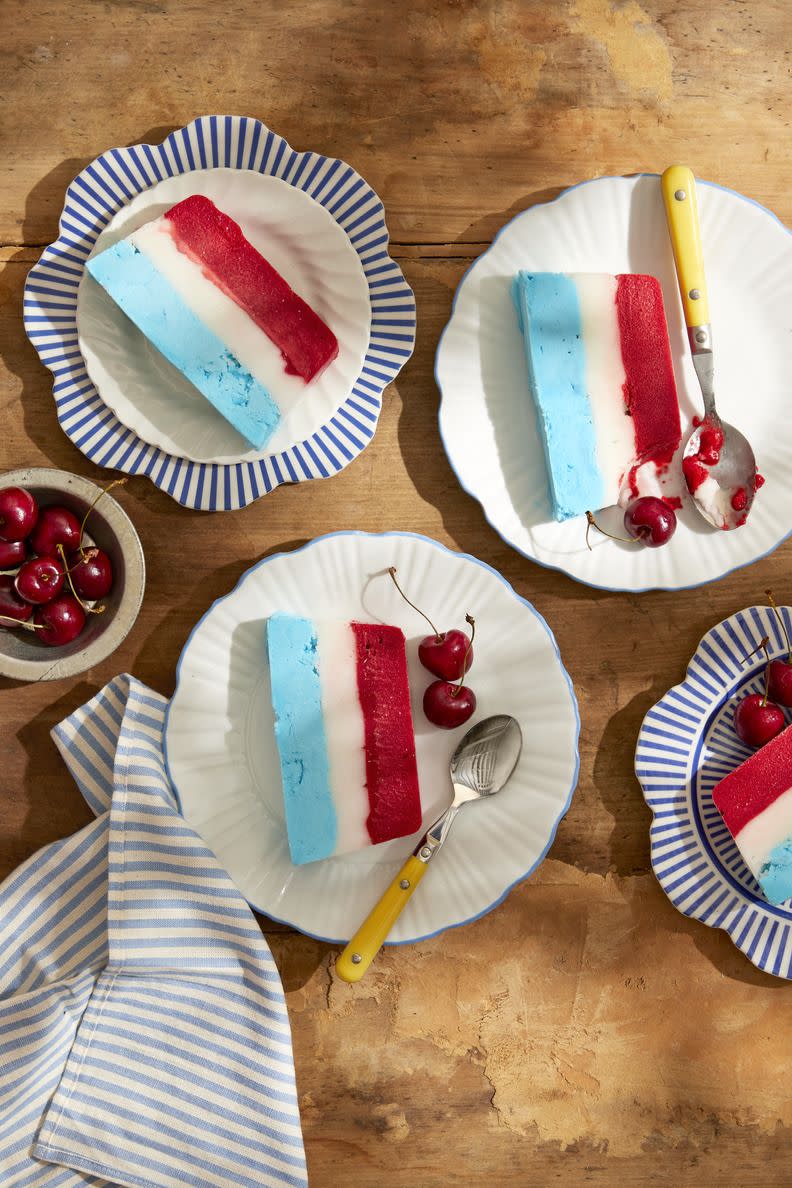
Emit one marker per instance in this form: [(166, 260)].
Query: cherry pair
[(448, 655), (757, 718)]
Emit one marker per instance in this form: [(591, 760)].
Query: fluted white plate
[(222, 759), (303, 241), (617, 224)]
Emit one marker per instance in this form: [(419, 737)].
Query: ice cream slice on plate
[(600, 373), (216, 309), (755, 802), (344, 732)]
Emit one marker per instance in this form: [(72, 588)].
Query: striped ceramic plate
[(119, 181), (686, 745)]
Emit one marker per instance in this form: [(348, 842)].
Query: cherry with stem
[(780, 671)]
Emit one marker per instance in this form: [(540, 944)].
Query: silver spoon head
[(487, 756), (725, 495)]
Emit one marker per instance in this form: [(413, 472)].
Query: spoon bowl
[(734, 472)]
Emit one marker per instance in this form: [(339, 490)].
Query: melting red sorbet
[(739, 499)]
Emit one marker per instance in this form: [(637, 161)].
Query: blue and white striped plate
[(686, 745), (113, 181)]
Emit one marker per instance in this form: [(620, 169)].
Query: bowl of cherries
[(72, 574)]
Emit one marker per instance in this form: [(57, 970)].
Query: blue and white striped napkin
[(144, 1038)]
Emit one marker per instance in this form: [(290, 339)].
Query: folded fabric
[(144, 1039)]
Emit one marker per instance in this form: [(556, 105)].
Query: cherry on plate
[(60, 621), (56, 525), (448, 704), (40, 580), (650, 521), (18, 513), (757, 720), (447, 655)]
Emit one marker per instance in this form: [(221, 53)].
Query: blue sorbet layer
[(300, 735), (156, 308), (775, 878), (549, 314)]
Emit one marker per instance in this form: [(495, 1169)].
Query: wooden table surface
[(584, 1032)]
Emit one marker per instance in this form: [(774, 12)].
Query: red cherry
[(12, 553), (444, 654), (11, 605), (757, 721), (39, 580), (56, 525), (60, 621), (448, 705), (18, 513), (91, 573), (651, 521), (780, 682)]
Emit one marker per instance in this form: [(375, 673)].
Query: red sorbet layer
[(756, 783), (391, 771), (216, 243), (650, 392)]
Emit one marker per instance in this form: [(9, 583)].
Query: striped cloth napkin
[(144, 1038)]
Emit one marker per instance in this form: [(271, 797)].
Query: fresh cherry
[(779, 672), (757, 720), (56, 525), (91, 573), (39, 580), (651, 521), (11, 605), (447, 655), (60, 621), (18, 513), (448, 704), (12, 553)]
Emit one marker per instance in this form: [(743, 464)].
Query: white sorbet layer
[(763, 833), (243, 337)]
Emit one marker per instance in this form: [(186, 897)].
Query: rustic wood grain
[(584, 1033)]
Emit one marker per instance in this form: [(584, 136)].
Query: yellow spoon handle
[(681, 206), (370, 937)]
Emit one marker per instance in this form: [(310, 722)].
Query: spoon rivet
[(356, 959), (701, 336), (694, 294), (426, 852), (680, 195), (404, 884)]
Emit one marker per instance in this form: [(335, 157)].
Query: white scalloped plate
[(302, 240), (221, 755), (617, 224), (686, 744)]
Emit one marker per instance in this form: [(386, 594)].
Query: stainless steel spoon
[(722, 492), (480, 766)]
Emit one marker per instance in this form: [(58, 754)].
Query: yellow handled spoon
[(480, 766), (719, 463)]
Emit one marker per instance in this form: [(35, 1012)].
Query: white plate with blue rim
[(687, 743), (617, 224), (223, 762), (322, 227)]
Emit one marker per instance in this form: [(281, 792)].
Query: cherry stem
[(119, 482), (778, 615), (592, 523), (91, 610), (392, 572), (472, 624), (762, 646), (22, 623)]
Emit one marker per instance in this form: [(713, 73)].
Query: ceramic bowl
[(24, 658)]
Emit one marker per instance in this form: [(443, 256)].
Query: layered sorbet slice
[(600, 372), (344, 732), (217, 310), (755, 802)]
